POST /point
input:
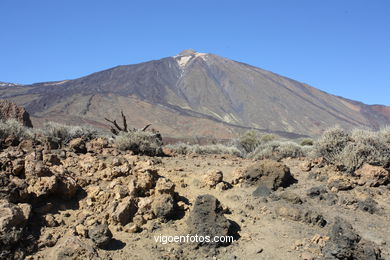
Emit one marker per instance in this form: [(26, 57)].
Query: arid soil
[(91, 201)]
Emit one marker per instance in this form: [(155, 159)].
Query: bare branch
[(124, 122), (114, 123), (114, 131), (146, 127)]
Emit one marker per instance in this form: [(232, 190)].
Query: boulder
[(72, 247), (207, 219), (262, 191), (271, 174), (163, 206), (373, 176), (13, 189), (125, 211), (100, 235), (340, 182), (18, 167), (164, 186), (77, 145), (12, 232), (9, 110), (345, 243), (305, 166), (302, 214), (144, 204), (146, 180), (369, 205), (67, 187), (291, 197), (11, 216), (212, 178), (97, 144), (42, 186), (316, 191)]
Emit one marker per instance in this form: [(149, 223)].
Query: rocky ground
[(92, 201)]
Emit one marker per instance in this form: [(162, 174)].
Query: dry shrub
[(62, 134), (364, 147), (278, 150), (307, 142), (140, 142), (182, 148), (16, 129), (385, 133), (331, 144), (349, 151), (250, 140)]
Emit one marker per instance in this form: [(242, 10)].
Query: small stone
[(50, 221), (212, 178), (164, 185), (100, 235), (133, 229), (125, 211), (221, 186), (81, 230), (163, 206), (307, 256), (305, 166)]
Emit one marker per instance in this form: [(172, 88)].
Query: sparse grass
[(14, 128), (182, 148), (140, 142)]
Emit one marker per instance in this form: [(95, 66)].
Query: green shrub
[(278, 150), (182, 148), (140, 142), (250, 140), (62, 134), (307, 142), (14, 128)]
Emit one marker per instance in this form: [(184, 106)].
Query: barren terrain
[(109, 189)]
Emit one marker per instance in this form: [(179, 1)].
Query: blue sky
[(339, 46)]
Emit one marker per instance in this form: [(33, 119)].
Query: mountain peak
[(187, 52), (184, 57)]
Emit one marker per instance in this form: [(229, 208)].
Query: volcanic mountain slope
[(194, 94)]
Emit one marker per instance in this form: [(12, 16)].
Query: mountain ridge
[(212, 95)]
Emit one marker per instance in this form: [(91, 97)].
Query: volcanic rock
[(9, 110)]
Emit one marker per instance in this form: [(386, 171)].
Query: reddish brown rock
[(9, 110), (373, 176), (212, 178)]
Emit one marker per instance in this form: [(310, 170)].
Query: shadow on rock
[(115, 244)]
